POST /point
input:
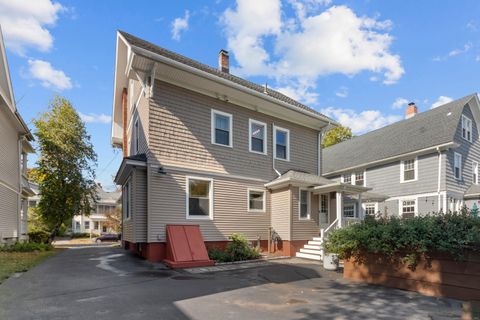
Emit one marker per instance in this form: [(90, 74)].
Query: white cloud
[(456, 52), (342, 92), (95, 118), (180, 25), (399, 103), (312, 44), (360, 122), (24, 24), (441, 101), (49, 76), (300, 92)]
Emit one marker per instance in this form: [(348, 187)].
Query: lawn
[(12, 262)]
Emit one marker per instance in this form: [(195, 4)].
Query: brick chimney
[(411, 110), (223, 61)]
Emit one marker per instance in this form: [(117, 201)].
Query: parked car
[(107, 237)]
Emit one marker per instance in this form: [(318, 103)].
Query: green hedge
[(84, 235), (238, 249), (25, 247), (409, 239), (38, 236)]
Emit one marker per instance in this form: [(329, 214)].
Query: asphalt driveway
[(109, 283)]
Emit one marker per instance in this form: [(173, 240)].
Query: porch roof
[(297, 178), (340, 186)]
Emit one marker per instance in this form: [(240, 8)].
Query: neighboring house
[(15, 138), (204, 147), (427, 163), (107, 202)]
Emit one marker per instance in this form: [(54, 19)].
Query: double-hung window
[(457, 166), (408, 208), (370, 208), (475, 172), (466, 128), (256, 200), (199, 198), (281, 143), (258, 136), (221, 128), (347, 178), (126, 198), (86, 225), (359, 178), (304, 204), (408, 170), (349, 210)]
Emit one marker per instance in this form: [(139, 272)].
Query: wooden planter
[(439, 276)]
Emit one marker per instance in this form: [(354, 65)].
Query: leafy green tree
[(66, 165), (336, 135)]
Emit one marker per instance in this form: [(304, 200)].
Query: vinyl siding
[(8, 213), (139, 203), (9, 157), (281, 212), (470, 151), (180, 135), (304, 229), (427, 205), (230, 207), (141, 112)]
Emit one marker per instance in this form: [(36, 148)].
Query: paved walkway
[(108, 283)]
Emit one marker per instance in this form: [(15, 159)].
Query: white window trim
[(320, 206), (475, 170), (455, 154), (309, 199), (400, 205), (471, 127), (364, 206), (212, 131), (355, 213), (265, 135), (129, 195), (187, 196), (275, 129), (264, 209), (415, 166), (354, 177)]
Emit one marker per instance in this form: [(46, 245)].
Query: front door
[(324, 206)]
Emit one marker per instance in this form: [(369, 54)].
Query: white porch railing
[(324, 233)]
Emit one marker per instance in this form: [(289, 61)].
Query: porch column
[(360, 208), (339, 202)]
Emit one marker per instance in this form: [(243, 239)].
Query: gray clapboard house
[(428, 162), (15, 140)]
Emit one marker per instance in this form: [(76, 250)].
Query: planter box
[(439, 276)]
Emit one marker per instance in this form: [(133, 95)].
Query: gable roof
[(137, 42), (426, 129)]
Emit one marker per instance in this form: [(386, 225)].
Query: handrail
[(331, 226)]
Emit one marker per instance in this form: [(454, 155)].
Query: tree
[(66, 165), (114, 220), (336, 135)]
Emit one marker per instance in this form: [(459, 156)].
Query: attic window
[(466, 128)]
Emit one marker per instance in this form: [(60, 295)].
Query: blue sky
[(357, 61)]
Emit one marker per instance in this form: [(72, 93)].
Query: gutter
[(179, 65), (376, 162)]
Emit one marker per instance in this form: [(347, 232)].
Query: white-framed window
[(324, 209), (349, 210), (77, 225), (256, 200), (409, 170), (475, 172), (304, 204), (96, 225), (281, 143), (466, 128), (408, 207), (370, 208), (257, 136), (86, 225), (136, 136), (347, 178), (222, 128), (199, 198), (359, 178), (126, 200), (457, 166)]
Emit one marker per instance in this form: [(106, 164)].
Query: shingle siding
[(282, 213)]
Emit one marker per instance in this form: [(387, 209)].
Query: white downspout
[(19, 198), (439, 178), (273, 151)]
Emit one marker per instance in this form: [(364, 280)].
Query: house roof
[(473, 191), (107, 196), (292, 176), (426, 129), (137, 42)]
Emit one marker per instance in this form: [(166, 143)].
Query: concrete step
[(317, 239), (315, 247), (310, 251), (308, 256), (315, 243)]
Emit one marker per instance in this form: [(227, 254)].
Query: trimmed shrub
[(238, 249), (38, 236), (25, 247), (453, 234), (83, 235)]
